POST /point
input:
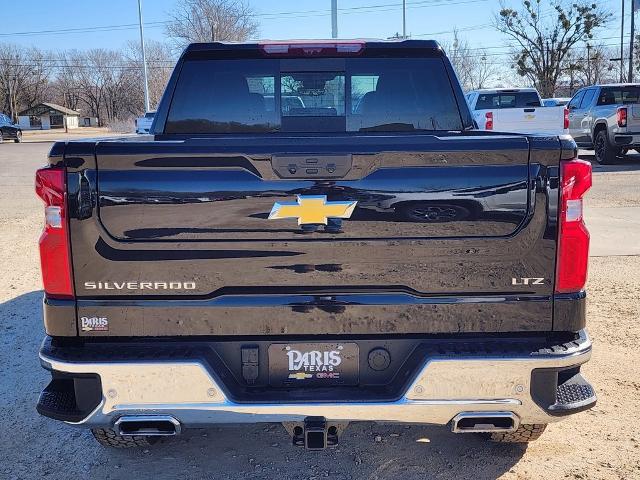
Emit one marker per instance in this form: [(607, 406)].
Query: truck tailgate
[(448, 234), (547, 120), (633, 120)]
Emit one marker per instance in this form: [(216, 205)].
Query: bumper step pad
[(70, 398), (573, 395), (60, 403)]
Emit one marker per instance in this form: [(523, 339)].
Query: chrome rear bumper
[(444, 388)]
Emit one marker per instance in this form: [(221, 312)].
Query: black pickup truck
[(314, 233)]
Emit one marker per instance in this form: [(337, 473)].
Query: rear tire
[(1, 138), (18, 138), (606, 154), (109, 438), (524, 434)]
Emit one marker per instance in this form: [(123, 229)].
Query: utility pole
[(144, 60), (12, 84), (334, 18), (10, 102), (589, 47), (633, 32), (404, 19), (622, 44)]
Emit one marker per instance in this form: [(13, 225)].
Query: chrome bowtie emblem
[(312, 209)]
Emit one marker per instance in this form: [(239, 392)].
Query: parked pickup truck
[(9, 130), (606, 118), (250, 263), (516, 110), (143, 124)]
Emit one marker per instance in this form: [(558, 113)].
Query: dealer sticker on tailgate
[(313, 364)]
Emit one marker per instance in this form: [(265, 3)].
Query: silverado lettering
[(140, 285), (314, 233)]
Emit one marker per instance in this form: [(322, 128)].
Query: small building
[(45, 116), (86, 121)]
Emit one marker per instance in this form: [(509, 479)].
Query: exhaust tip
[(481, 422), (147, 425)]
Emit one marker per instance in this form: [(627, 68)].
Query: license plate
[(313, 364)]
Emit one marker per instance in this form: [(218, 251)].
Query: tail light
[(621, 114), (317, 48), (566, 118), (488, 121), (55, 259), (573, 237)]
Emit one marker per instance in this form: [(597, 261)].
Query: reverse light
[(566, 118), (55, 259), (488, 122), (313, 49), (621, 115), (573, 236)]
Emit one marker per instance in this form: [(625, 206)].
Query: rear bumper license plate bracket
[(313, 364)]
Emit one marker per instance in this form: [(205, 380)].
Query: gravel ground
[(602, 443)]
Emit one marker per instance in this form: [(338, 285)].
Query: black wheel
[(524, 434), (109, 438), (18, 138), (606, 154), (1, 138), (431, 213)]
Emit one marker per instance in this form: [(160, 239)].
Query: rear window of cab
[(619, 95), (492, 101), (264, 96)]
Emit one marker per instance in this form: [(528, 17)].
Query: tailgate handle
[(529, 110), (311, 166)]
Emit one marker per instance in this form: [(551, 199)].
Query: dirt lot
[(53, 135), (603, 443)]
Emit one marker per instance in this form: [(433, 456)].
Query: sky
[(84, 24)]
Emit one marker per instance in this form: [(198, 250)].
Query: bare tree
[(211, 20), (160, 63), (66, 83), (87, 68), (101, 81), (589, 66), (107, 84), (572, 71), (38, 85), (24, 78), (599, 68), (544, 40), (473, 66), (120, 84)]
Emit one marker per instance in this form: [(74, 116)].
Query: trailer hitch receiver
[(315, 433)]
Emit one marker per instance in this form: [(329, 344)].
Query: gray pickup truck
[(606, 118)]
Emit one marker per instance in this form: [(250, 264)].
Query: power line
[(483, 26), (390, 7), (511, 47), (60, 63), (274, 15), (84, 67), (97, 28), (169, 64), (345, 10)]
